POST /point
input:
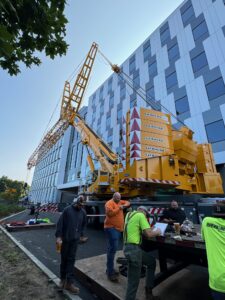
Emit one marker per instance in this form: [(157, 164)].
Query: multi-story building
[(181, 65)]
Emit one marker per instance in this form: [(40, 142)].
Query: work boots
[(62, 283), (71, 288), (149, 295)]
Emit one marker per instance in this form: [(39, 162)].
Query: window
[(108, 122), (171, 80), (119, 115), (132, 64), (199, 30), (93, 99), (101, 92), (165, 35), (110, 84), (173, 52), (110, 138), (215, 88), (150, 92), (111, 101), (215, 131), (123, 91), (136, 81), (99, 130), (187, 14), (101, 109), (199, 62), (147, 50), (182, 105), (152, 68)]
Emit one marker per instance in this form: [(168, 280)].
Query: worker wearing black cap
[(69, 229), (213, 232), (136, 224)]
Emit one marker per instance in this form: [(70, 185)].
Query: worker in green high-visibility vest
[(213, 232), (136, 225)]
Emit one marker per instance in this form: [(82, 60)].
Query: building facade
[(181, 66)]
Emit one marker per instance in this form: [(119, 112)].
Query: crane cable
[(139, 90)]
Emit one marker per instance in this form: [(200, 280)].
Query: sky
[(27, 101)]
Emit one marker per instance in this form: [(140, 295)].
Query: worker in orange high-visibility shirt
[(113, 226)]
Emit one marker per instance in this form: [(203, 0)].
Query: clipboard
[(161, 226)]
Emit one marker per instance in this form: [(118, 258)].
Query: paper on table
[(161, 226)]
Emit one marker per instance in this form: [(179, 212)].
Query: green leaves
[(28, 27)]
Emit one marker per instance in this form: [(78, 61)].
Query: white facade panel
[(219, 12)]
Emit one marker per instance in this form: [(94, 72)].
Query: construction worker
[(174, 214), (136, 224), (69, 229), (113, 226), (213, 232)]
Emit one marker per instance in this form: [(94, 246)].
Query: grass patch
[(8, 209)]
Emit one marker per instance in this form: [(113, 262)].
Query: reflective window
[(119, 115), (171, 80), (110, 138), (150, 92), (182, 105), (187, 14), (146, 50), (199, 30), (132, 64), (215, 88), (173, 52), (101, 109), (123, 91), (111, 101), (108, 122), (165, 35), (110, 84), (152, 68), (215, 131), (101, 92), (136, 81), (199, 62)]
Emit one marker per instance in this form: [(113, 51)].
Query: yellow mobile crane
[(168, 158)]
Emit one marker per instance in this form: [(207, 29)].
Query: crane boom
[(71, 102), (101, 150)]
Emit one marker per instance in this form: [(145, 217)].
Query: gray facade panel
[(212, 115), (212, 75), (179, 93), (218, 147), (202, 72), (184, 116), (197, 50), (217, 102)]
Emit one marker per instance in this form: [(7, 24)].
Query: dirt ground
[(20, 279)]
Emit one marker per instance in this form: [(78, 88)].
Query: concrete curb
[(39, 264)]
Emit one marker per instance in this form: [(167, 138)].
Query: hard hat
[(144, 208), (79, 200)]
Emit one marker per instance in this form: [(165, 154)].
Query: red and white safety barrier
[(157, 181)]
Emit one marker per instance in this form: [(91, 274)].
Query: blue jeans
[(112, 238), (218, 295)]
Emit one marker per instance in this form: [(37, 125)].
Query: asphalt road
[(191, 283), (41, 243)]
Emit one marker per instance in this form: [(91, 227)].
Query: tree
[(12, 189), (3, 186), (28, 27)]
